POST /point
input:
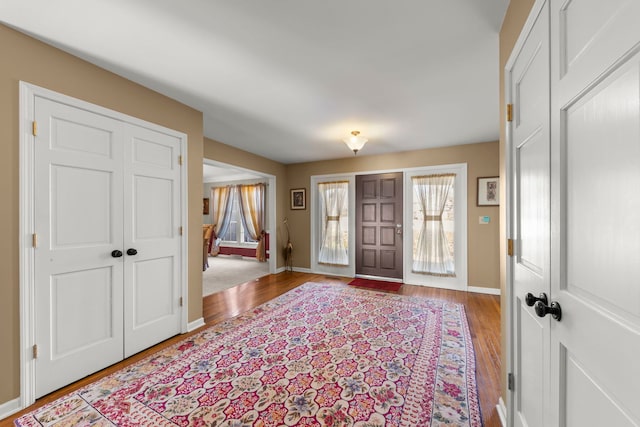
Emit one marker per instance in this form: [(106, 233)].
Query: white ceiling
[(288, 79)]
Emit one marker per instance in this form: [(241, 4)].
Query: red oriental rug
[(319, 355), (381, 285)]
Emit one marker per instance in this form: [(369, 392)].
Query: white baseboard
[(480, 290), (502, 412), (198, 323), (297, 269), (9, 408), (330, 274)]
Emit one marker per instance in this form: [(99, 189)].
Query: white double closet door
[(108, 256), (575, 150)]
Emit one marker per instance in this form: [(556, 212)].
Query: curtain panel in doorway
[(334, 205), (432, 253)]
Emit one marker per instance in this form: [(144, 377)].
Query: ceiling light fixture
[(355, 142)]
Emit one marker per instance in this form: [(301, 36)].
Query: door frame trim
[(507, 185), (461, 281), (27, 94), (316, 267)]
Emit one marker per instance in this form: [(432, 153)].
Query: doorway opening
[(232, 253)]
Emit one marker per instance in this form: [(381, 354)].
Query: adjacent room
[(341, 213), (235, 211)]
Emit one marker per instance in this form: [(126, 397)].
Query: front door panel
[(379, 225)]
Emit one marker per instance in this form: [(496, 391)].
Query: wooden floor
[(483, 313)]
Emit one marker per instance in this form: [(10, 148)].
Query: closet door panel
[(78, 222), (595, 110), (152, 212)]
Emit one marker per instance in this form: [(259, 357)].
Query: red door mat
[(376, 284)]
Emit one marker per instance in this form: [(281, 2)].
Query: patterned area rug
[(319, 355)]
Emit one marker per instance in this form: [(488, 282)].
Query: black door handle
[(116, 253), (131, 251), (543, 309), (531, 300)]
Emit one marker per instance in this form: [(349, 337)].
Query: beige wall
[(482, 160), (514, 20), (24, 58), (220, 152)]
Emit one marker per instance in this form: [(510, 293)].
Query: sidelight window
[(434, 225), (334, 223)]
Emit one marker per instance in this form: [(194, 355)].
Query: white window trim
[(460, 281), (314, 205)]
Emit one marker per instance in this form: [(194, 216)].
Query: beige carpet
[(227, 271)]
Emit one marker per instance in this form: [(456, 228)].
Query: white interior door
[(78, 221), (595, 348), (108, 264), (530, 154), (152, 218)]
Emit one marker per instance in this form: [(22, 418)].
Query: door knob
[(116, 253), (531, 300), (398, 228), (131, 251), (543, 309)]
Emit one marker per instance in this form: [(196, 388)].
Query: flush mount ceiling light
[(355, 142)]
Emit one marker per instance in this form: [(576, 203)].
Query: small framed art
[(299, 198), (488, 191)]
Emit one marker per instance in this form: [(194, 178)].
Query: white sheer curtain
[(221, 200), (334, 205), (432, 254), (252, 208)]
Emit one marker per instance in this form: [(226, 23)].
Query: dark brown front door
[(379, 225)]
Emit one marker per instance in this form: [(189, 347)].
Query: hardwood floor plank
[(483, 315)]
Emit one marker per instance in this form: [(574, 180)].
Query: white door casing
[(93, 181), (530, 141), (595, 245)]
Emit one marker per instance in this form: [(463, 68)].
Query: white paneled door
[(595, 143), (152, 245), (106, 264), (575, 150), (531, 276)]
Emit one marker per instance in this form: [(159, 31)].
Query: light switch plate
[(484, 220)]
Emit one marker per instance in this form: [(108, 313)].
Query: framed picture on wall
[(205, 206), (488, 191), (298, 198)]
